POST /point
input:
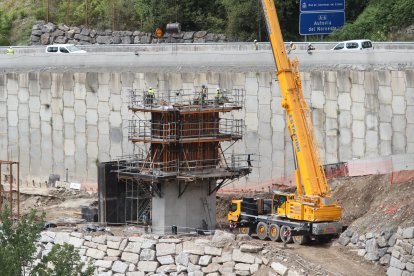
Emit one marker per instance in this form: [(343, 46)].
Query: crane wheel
[(285, 234), (261, 230), (245, 230), (274, 232), (301, 240)]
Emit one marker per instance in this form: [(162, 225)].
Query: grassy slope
[(16, 21), (381, 20)]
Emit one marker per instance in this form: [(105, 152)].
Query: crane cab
[(234, 210), (279, 203)]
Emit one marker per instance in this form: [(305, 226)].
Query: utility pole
[(68, 12), (113, 15), (86, 13), (259, 18), (47, 6)]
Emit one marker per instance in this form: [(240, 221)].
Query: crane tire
[(285, 234), (261, 230), (274, 232), (245, 230), (301, 240)]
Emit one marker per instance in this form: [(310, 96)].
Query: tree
[(145, 13), (242, 19), (63, 260), (380, 20), (18, 249), (18, 244)]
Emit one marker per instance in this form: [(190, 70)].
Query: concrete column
[(399, 110), (103, 113), (331, 110), (409, 96), (3, 119), (264, 127), (185, 211), (45, 83)]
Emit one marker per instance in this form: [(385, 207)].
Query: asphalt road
[(196, 61)]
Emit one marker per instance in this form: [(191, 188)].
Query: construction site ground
[(370, 204)]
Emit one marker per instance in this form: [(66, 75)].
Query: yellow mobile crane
[(311, 212)]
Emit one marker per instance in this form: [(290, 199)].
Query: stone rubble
[(111, 255), (388, 248), (44, 34)]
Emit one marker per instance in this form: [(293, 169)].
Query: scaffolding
[(137, 202), (196, 130), (11, 176), (187, 101), (145, 168), (183, 137)]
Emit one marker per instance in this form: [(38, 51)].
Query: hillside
[(379, 20)]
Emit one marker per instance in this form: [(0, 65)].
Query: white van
[(352, 45), (64, 49)]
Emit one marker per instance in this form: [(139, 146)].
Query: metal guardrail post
[(174, 230)]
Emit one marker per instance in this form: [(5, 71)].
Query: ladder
[(207, 211)]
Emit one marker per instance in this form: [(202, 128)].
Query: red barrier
[(402, 177)]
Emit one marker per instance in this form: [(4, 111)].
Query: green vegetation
[(381, 20), (18, 250), (241, 20), (63, 260), (18, 244)]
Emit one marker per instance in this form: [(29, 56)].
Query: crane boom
[(310, 176), (310, 213)]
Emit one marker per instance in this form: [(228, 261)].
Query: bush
[(18, 250), (63, 260), (18, 243), (379, 21)]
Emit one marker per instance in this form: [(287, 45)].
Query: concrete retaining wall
[(392, 249), (223, 254), (44, 34), (53, 121)]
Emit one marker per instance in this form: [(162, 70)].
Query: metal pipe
[(18, 190), (11, 190), (1, 186)]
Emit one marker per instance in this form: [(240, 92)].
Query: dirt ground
[(59, 205), (320, 259), (370, 204), (373, 204)]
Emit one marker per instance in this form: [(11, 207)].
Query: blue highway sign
[(322, 5), (320, 22)]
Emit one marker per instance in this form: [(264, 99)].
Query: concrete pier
[(194, 209)]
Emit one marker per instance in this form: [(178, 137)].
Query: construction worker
[(218, 97), (310, 48), (292, 47), (150, 96), (203, 94), (10, 51)]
